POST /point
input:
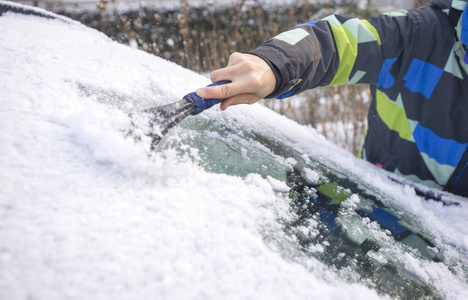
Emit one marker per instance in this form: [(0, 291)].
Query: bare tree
[(419, 3)]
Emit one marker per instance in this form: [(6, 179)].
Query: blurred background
[(201, 34)]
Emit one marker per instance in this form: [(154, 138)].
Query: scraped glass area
[(358, 233), (336, 218)]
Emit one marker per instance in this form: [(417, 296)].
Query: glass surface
[(338, 219)]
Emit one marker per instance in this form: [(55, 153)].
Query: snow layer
[(87, 213)]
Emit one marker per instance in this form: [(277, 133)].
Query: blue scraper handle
[(201, 103)]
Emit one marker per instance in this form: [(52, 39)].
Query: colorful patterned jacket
[(413, 61)]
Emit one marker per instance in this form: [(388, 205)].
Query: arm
[(332, 51)]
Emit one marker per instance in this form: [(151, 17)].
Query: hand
[(251, 80)]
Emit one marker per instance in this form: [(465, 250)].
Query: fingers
[(233, 93), (239, 99), (225, 104), (218, 92)]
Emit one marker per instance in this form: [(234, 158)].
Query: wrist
[(276, 73)]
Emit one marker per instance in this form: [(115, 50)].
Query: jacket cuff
[(284, 74)]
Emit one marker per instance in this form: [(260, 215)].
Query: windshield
[(335, 217)]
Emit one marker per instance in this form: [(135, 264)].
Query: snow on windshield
[(86, 212)]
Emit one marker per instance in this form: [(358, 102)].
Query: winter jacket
[(413, 61)]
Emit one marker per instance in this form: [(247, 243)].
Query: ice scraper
[(163, 118)]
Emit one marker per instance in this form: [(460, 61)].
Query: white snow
[(88, 213)]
